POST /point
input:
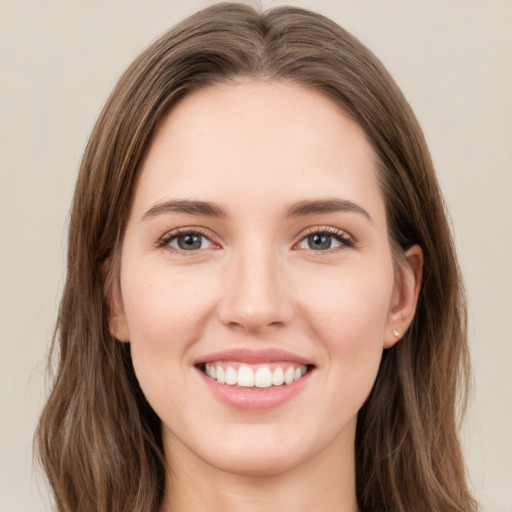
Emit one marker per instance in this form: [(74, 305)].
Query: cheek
[(350, 305), (165, 311), (348, 318)]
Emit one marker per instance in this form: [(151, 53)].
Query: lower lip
[(255, 399)]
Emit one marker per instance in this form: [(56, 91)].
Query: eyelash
[(341, 236), (168, 237), (345, 240)]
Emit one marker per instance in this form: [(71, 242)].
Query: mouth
[(252, 380), (262, 377)]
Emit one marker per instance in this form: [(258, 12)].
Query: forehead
[(263, 142)]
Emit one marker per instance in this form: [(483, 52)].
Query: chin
[(259, 452), (255, 465)]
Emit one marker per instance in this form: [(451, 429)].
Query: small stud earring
[(396, 333), (115, 330)]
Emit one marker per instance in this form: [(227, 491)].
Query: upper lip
[(250, 356)]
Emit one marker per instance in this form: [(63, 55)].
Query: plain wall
[(59, 60)]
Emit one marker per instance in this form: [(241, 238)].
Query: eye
[(186, 241), (325, 239)]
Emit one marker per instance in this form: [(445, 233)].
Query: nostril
[(252, 306), (236, 326)]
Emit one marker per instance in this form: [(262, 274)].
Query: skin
[(253, 149)]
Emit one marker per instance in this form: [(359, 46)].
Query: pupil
[(188, 242), (318, 241)]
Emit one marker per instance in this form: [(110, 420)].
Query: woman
[(263, 307)]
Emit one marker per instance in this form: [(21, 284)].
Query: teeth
[(246, 377), (278, 377), (220, 375), (288, 375), (263, 377), (231, 376)]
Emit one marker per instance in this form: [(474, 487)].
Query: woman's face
[(257, 245)]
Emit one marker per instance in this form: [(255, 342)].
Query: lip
[(251, 399), (269, 355)]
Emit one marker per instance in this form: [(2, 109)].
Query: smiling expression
[(257, 248)]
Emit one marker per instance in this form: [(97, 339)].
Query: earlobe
[(116, 316), (405, 296)]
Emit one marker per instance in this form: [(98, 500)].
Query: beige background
[(59, 60)]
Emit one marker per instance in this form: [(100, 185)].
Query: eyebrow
[(301, 208), (185, 206), (317, 206)]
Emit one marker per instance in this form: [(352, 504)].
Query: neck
[(324, 482)]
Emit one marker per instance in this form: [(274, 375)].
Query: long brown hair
[(98, 439)]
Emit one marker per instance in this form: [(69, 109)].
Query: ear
[(116, 316), (405, 296)]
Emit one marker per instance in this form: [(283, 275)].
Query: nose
[(255, 296)]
